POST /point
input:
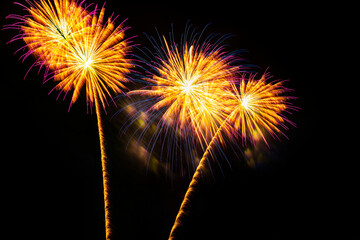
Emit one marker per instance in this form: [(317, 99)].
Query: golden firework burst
[(189, 86), (51, 26), (258, 107), (95, 58)]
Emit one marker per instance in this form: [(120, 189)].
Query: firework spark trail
[(186, 203), (105, 173), (81, 50), (256, 105)]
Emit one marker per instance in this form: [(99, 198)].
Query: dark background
[(51, 170)]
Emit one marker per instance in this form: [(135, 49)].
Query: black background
[(51, 170)]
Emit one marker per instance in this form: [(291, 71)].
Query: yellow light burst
[(190, 85), (95, 58), (51, 26), (257, 108)]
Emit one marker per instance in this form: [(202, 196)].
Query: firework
[(48, 27), (188, 86), (97, 59), (256, 107), (80, 49)]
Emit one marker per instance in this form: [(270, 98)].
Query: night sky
[(51, 169)]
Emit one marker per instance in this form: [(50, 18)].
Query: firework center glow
[(245, 102), (187, 86), (88, 61)]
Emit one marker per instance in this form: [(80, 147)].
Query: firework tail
[(186, 203), (105, 174)]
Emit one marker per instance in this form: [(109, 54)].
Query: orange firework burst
[(95, 58), (189, 86), (48, 27), (257, 108)]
